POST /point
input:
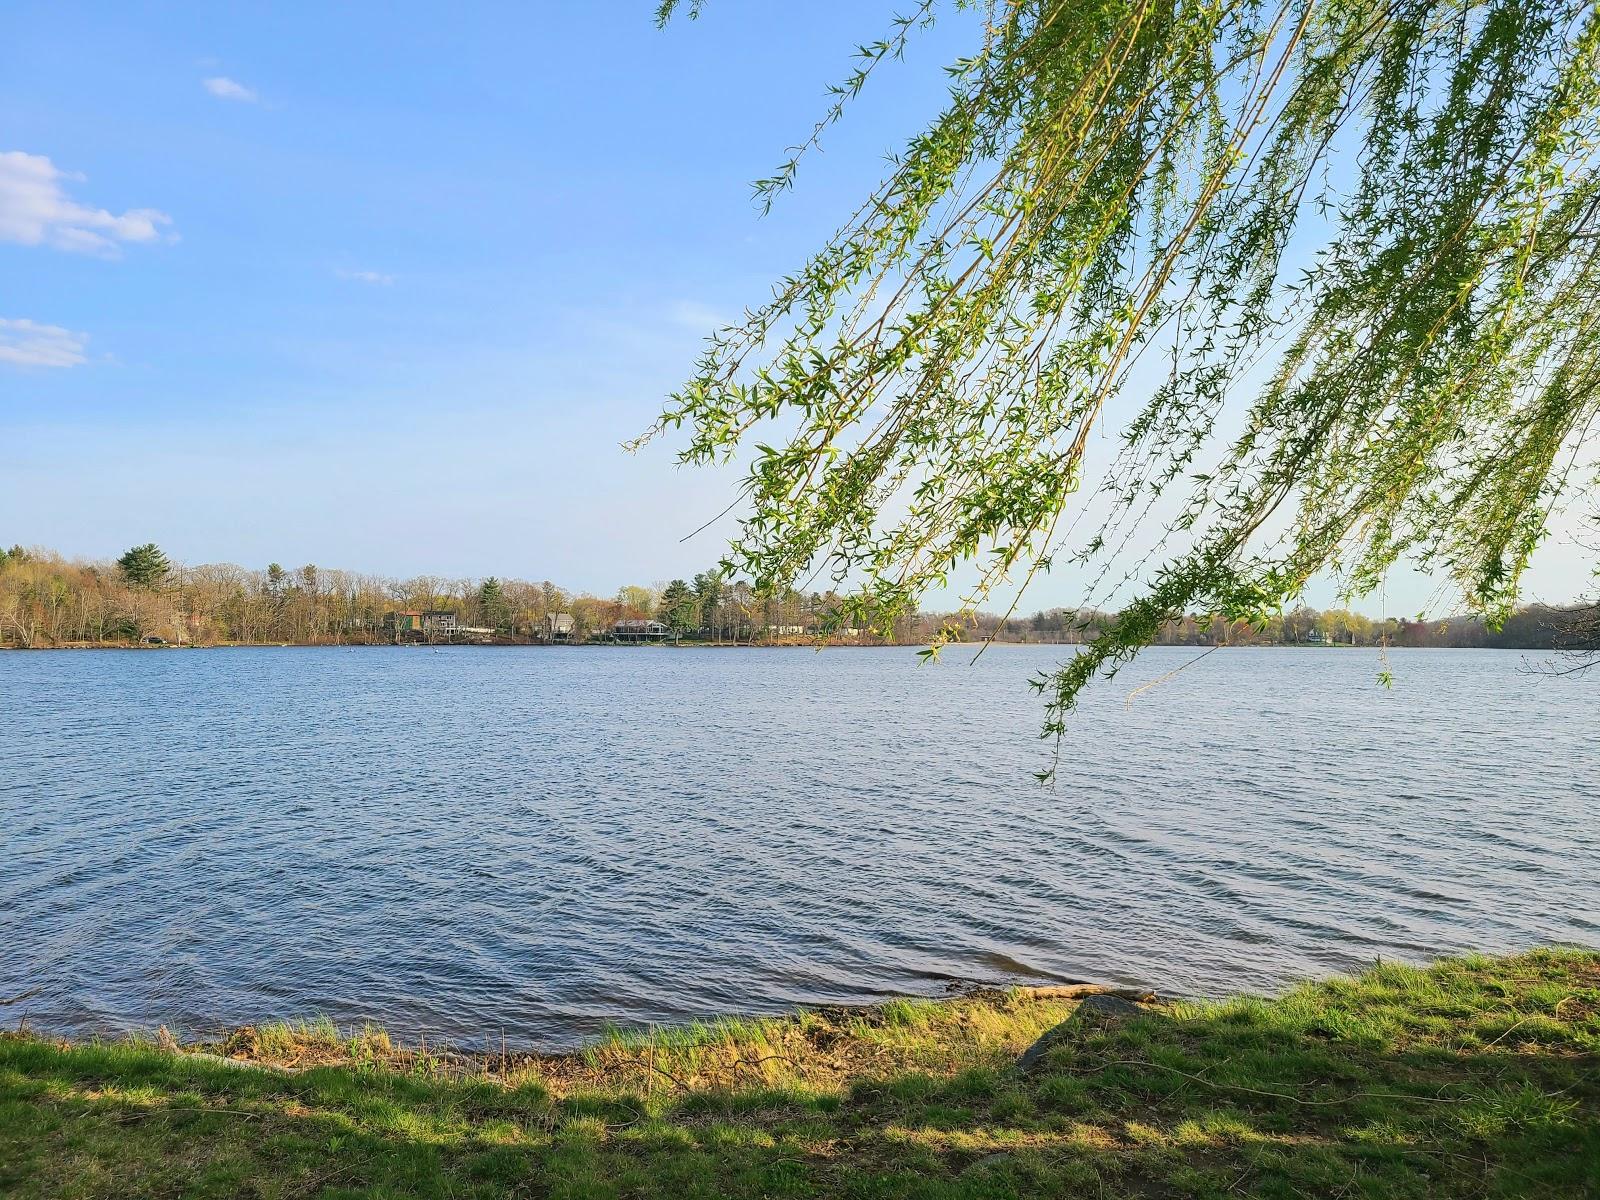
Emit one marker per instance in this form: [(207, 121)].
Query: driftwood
[(243, 1064)]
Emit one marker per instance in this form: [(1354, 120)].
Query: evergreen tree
[(492, 603), (678, 610), (144, 566)]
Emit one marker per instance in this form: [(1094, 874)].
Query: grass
[(1472, 1077)]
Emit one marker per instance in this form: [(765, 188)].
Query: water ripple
[(547, 842)]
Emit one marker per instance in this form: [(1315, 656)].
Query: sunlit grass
[(1473, 1077)]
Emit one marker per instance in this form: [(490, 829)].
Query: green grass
[(1473, 1077)]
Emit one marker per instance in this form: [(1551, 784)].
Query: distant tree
[(1582, 638), (708, 600), (738, 609), (144, 566), (552, 599), (589, 617), (1298, 623), (493, 604), (678, 610), (636, 601)]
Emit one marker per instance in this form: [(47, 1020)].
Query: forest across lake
[(145, 599)]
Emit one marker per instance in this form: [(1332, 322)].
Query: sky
[(385, 287)]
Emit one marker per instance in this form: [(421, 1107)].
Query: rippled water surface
[(546, 841)]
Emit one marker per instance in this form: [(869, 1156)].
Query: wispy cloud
[(694, 316), (25, 343), (224, 88), (36, 210), (375, 277)]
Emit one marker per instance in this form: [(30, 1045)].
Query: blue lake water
[(545, 841)]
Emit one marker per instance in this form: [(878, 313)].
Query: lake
[(542, 842)]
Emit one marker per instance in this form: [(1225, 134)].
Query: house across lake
[(640, 631), (413, 624)]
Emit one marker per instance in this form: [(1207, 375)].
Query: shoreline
[(295, 1044), (851, 645), (1473, 1076)]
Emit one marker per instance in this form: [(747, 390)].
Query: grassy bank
[(1473, 1077)]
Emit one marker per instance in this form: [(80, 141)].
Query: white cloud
[(694, 316), (35, 210), (224, 88), (25, 343), (377, 277)]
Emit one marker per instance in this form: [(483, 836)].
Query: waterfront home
[(557, 627), (640, 631), (440, 623), (429, 624)]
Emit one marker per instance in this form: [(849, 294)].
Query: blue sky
[(384, 287)]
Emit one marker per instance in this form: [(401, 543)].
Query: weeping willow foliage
[(1326, 270)]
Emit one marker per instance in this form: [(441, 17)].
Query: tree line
[(1531, 627), (49, 600)]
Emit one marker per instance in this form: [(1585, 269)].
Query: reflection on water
[(545, 841)]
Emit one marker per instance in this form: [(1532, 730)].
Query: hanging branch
[(1329, 267)]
